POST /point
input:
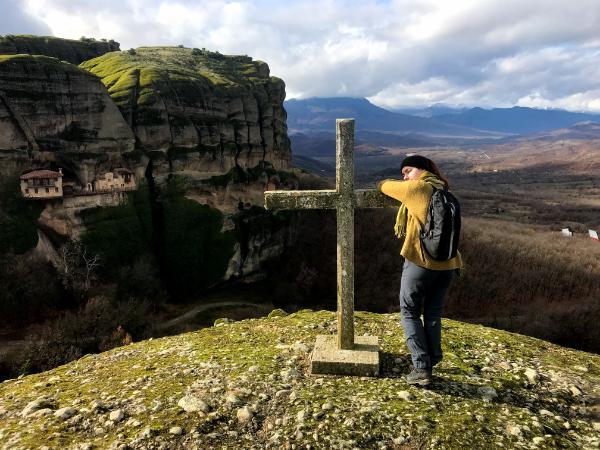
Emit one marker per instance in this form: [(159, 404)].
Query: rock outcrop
[(68, 50), (215, 122), (55, 112), (196, 111), (246, 385)]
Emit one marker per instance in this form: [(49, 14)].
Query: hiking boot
[(420, 377)]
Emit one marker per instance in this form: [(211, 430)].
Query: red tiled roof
[(41, 174)]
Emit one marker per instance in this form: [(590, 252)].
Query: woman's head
[(413, 166)]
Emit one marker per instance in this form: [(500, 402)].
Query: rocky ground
[(246, 385)]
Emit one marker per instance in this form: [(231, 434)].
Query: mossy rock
[(277, 313), (176, 97), (143, 77), (223, 321), (480, 398)]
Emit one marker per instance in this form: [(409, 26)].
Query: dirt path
[(198, 309)]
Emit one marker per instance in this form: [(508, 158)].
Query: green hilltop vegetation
[(246, 385), (70, 50), (42, 60), (144, 72)]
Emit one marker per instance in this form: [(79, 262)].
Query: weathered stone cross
[(348, 355)]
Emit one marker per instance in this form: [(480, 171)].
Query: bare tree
[(90, 266), (77, 266)]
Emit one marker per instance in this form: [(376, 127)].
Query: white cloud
[(396, 52), (13, 20), (581, 101)]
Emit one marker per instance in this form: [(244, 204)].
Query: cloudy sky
[(397, 53)]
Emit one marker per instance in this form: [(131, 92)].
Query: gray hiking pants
[(422, 291)]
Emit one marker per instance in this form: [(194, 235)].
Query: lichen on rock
[(238, 379)]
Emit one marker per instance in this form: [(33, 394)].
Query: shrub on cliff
[(178, 239), (117, 235), (196, 251), (18, 232), (29, 290), (94, 327)]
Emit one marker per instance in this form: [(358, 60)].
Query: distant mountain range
[(319, 114), (438, 120), (580, 131), (517, 120)]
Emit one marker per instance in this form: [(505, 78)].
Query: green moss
[(213, 77), (277, 313), (160, 65), (147, 97), (142, 83), (366, 412), (124, 83)]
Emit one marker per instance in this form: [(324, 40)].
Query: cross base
[(362, 360)]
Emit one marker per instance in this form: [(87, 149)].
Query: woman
[(424, 280)]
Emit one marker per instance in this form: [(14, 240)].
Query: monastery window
[(36, 190)]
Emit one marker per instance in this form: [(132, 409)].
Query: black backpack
[(440, 234)]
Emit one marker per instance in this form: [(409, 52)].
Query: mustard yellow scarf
[(401, 218)]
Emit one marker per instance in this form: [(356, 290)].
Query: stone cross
[(344, 199)]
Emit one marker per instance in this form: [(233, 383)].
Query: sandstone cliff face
[(52, 111), (196, 111), (64, 216), (215, 121), (68, 50)]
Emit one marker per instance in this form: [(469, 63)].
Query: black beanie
[(420, 162)]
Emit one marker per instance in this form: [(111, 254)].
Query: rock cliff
[(54, 112), (197, 111), (68, 50), (246, 385), (169, 114)]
